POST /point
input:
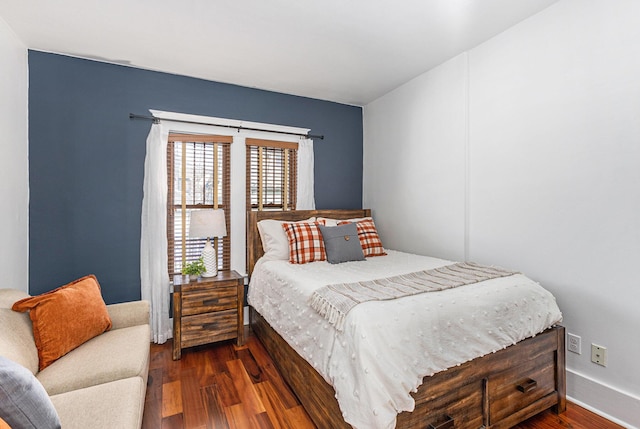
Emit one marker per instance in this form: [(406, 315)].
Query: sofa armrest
[(128, 314)]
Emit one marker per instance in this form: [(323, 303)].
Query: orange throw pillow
[(305, 242), (66, 317), (369, 238)]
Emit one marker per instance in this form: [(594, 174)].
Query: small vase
[(193, 277)]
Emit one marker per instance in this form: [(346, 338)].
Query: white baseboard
[(620, 407)]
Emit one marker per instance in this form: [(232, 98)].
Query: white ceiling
[(349, 51)]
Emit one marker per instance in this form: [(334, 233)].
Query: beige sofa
[(100, 384)]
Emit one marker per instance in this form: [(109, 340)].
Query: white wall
[(14, 166), (418, 201), (537, 132)]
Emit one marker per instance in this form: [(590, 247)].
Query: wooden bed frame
[(495, 391)]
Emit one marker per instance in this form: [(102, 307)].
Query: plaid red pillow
[(305, 242), (369, 238)]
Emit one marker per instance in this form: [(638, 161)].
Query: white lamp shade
[(207, 223)]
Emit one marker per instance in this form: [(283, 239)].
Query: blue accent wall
[(86, 160)]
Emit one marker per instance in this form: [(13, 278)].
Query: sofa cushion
[(65, 318), (16, 339), (23, 401), (126, 314), (16, 335), (118, 404), (9, 296), (116, 354)]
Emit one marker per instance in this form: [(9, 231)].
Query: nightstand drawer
[(208, 300), (209, 327), (518, 387)]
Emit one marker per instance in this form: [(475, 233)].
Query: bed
[(500, 388)]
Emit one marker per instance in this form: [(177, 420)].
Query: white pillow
[(274, 240), (328, 221), (334, 222)]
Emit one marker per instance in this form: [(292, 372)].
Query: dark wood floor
[(224, 386)]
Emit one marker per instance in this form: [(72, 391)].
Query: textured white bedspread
[(387, 347)]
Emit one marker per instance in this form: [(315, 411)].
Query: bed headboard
[(254, 245)]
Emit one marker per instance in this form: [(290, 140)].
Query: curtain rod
[(237, 127)]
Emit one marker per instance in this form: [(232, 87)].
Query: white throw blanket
[(333, 302)]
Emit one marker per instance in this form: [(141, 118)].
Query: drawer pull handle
[(446, 424), (208, 302), (210, 326), (527, 386)]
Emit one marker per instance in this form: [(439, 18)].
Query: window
[(198, 171), (272, 171)]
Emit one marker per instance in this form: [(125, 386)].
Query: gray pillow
[(341, 243), (23, 401)]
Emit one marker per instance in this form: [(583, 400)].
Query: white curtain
[(153, 243), (306, 197)]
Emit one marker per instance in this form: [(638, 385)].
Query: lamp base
[(210, 259)]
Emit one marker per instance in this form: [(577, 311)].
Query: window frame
[(283, 176), (220, 145)]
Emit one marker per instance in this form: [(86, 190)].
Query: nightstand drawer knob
[(527, 386), (447, 423)]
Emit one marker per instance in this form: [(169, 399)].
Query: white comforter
[(387, 347)]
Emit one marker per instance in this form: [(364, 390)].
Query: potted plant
[(194, 269)]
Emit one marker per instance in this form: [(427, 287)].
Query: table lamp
[(206, 224)]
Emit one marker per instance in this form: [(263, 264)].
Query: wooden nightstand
[(207, 310)]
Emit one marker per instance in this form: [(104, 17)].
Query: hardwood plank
[(152, 417), (280, 415), (193, 410), (272, 404), (251, 402), (158, 357), (575, 417), (226, 390), (262, 421), (237, 417), (298, 417), (216, 418), (173, 422), (220, 355), (172, 371), (579, 417), (200, 365), (250, 365), (171, 398)]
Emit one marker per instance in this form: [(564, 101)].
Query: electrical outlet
[(574, 343), (599, 355)]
